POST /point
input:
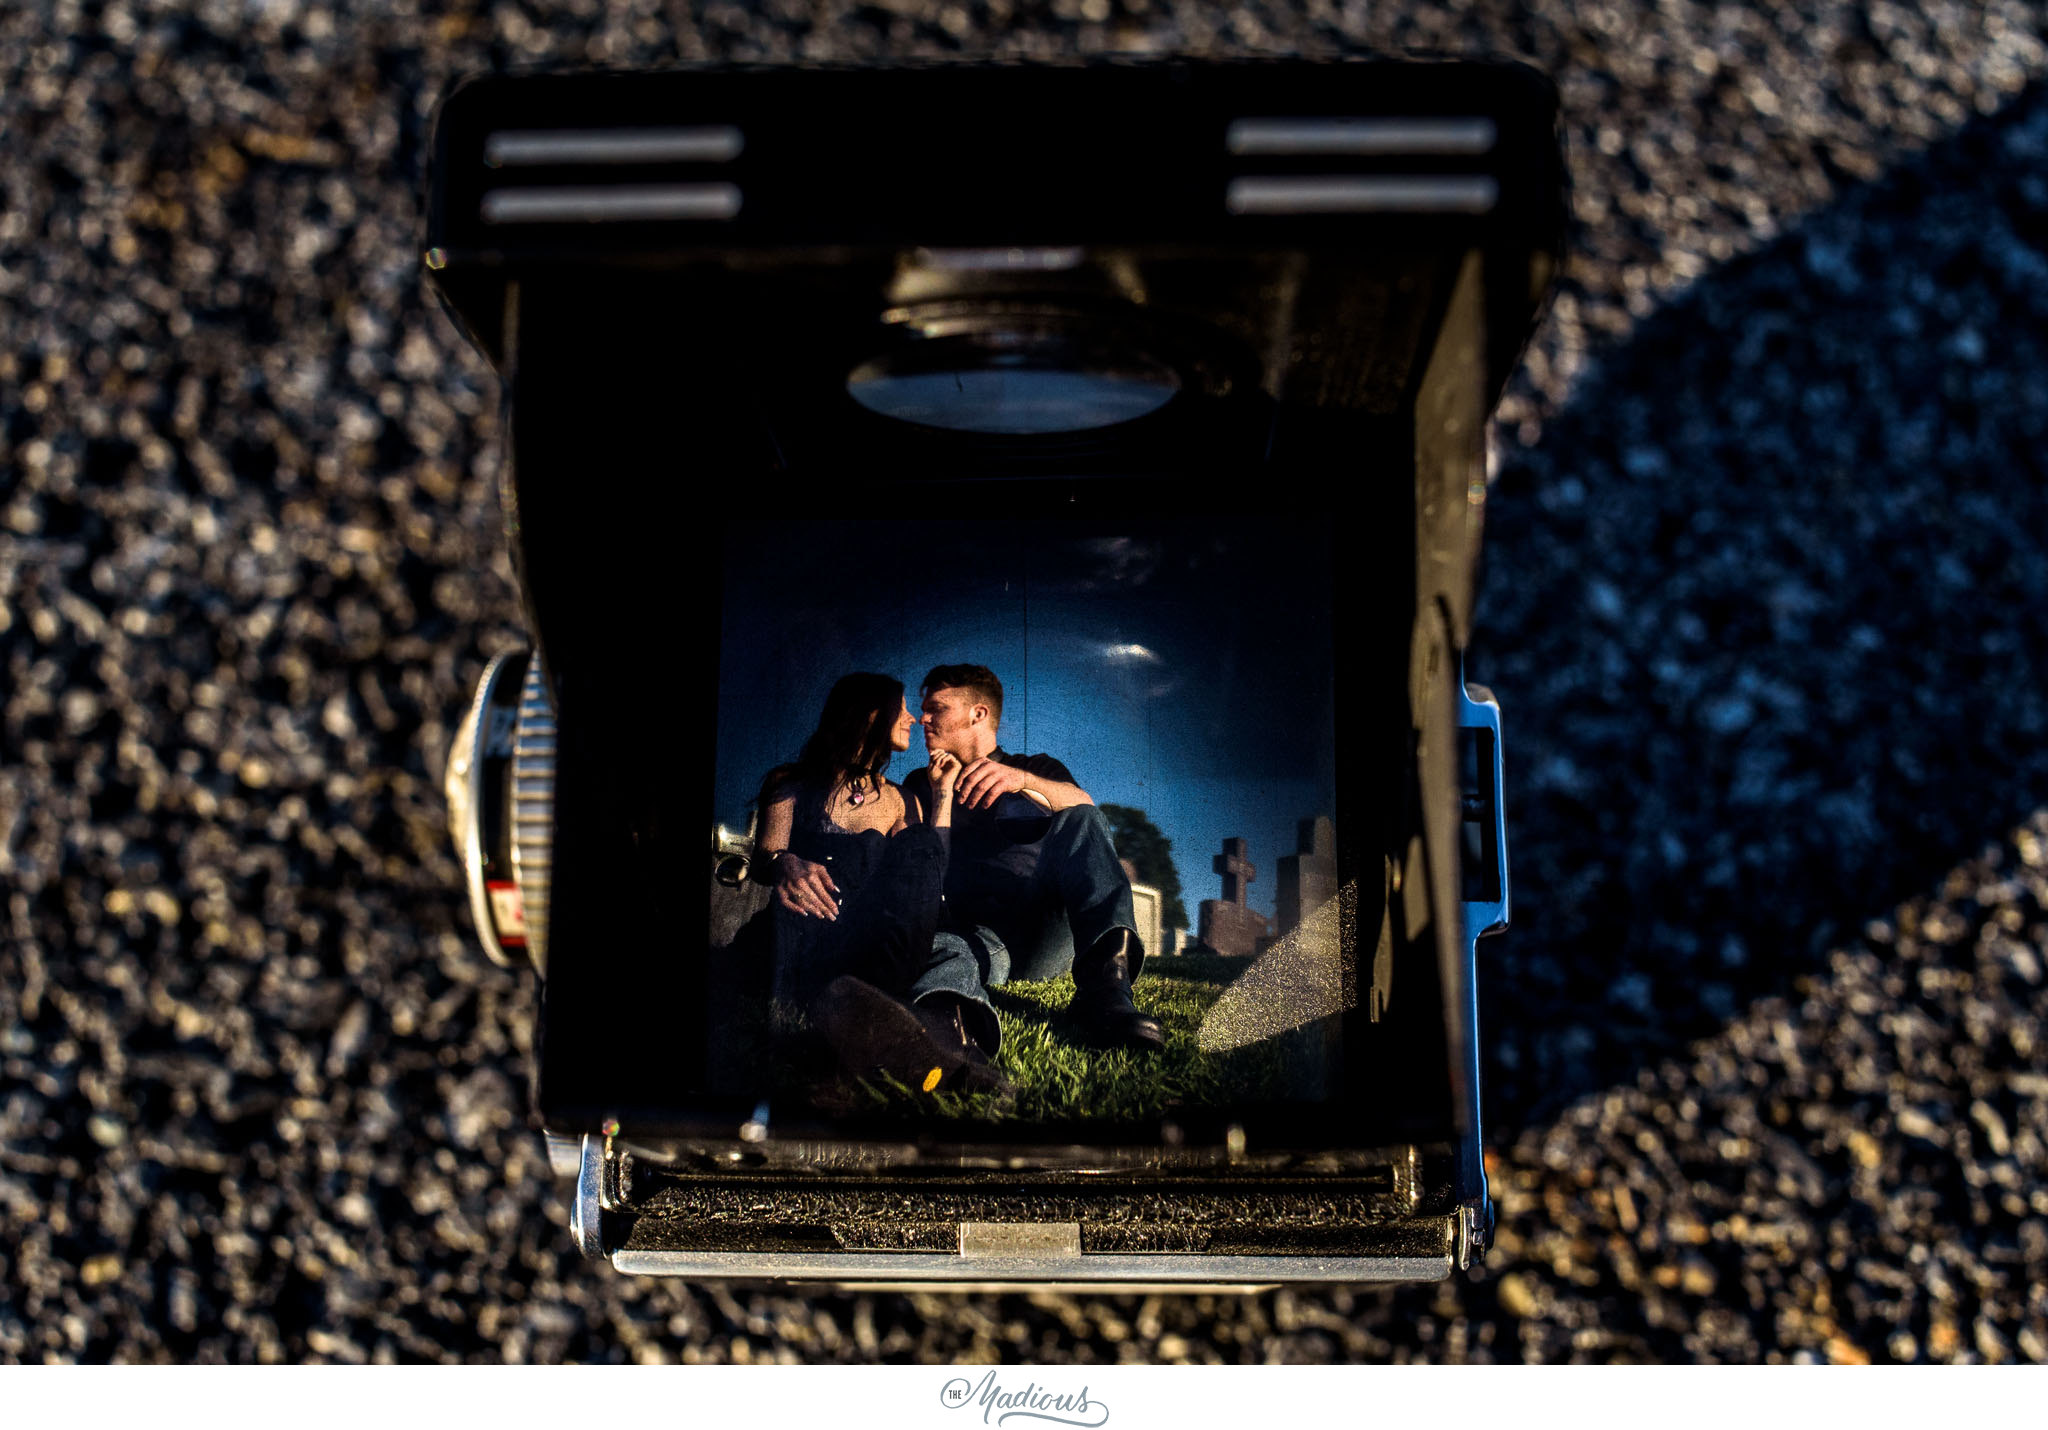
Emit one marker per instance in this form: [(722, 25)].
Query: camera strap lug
[(565, 1153), (604, 1188), (586, 1211), (1473, 1231)]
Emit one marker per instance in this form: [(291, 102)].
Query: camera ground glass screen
[(981, 773)]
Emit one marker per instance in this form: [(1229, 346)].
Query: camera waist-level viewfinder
[(1027, 518)]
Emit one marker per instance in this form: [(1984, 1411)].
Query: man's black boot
[(1102, 995), (945, 1017)]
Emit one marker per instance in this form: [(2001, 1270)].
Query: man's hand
[(805, 888), (986, 781)]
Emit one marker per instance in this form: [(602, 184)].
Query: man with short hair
[(1033, 885)]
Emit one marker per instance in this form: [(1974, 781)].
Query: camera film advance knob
[(533, 808), (500, 789)]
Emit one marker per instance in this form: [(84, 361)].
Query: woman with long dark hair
[(815, 809), (857, 892)]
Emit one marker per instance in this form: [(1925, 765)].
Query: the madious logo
[(999, 1404)]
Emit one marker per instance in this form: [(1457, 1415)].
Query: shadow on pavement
[(1763, 607)]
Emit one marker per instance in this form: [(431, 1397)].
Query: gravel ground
[(1766, 1064)]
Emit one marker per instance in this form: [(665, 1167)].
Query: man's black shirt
[(971, 824), (990, 866)]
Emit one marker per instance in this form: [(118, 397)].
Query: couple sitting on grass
[(899, 907)]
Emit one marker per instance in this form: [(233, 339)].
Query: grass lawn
[(1058, 1078)]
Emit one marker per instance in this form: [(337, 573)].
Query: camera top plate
[(1005, 167), (1232, 154)]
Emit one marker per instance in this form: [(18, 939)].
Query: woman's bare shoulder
[(781, 786)]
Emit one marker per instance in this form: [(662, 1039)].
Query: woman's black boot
[(877, 1034)]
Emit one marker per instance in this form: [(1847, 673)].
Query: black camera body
[(1166, 382)]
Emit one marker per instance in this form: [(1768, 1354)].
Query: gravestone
[(1308, 877), (1228, 924), (1146, 903)]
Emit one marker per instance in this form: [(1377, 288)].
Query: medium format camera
[(1026, 517)]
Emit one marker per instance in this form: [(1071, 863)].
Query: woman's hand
[(805, 888)]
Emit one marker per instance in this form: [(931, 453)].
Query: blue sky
[(1184, 667)]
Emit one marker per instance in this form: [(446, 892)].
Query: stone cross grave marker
[(1308, 877), (1228, 925)]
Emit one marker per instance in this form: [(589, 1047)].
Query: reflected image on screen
[(1047, 813)]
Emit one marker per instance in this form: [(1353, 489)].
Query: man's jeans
[(1002, 922)]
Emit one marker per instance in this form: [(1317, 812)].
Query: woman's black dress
[(889, 888)]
